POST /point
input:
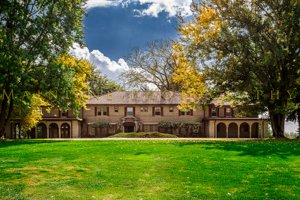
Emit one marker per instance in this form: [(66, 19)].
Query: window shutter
[(125, 111), (192, 112), (95, 111), (209, 112), (162, 111), (107, 110), (179, 113), (153, 110), (133, 109)]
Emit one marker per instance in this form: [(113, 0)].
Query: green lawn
[(35, 169)]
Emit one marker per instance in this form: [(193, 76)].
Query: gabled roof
[(134, 97)]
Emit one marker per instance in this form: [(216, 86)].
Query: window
[(144, 109), (181, 112), (189, 112), (157, 111), (213, 112), (129, 110), (105, 110), (171, 109), (116, 108), (102, 111), (228, 112), (64, 114)]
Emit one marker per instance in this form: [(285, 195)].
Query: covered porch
[(237, 128)]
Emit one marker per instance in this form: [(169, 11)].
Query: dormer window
[(214, 112), (228, 112), (64, 114)]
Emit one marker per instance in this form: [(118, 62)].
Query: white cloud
[(154, 7), (101, 3), (112, 69)]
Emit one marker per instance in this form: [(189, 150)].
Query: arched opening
[(128, 127), (53, 131), (41, 131), (65, 130), (244, 130), (233, 130), (254, 130), (221, 130)]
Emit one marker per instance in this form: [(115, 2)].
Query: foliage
[(168, 124), (175, 125), (190, 80), (151, 66), (77, 72), (143, 135), (34, 113), (100, 84), (174, 169), (32, 35), (248, 50)]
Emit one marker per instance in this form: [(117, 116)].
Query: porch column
[(239, 130), (47, 128), (59, 131), (227, 130), (250, 134)]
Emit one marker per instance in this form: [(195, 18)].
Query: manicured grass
[(143, 135), (35, 169)]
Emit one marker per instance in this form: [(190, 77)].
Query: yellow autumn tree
[(34, 115), (204, 26), (73, 91), (79, 71), (190, 80)]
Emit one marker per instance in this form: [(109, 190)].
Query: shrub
[(143, 135)]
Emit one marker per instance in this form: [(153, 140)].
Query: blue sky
[(113, 28)]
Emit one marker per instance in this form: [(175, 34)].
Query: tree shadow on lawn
[(280, 148), (16, 142)]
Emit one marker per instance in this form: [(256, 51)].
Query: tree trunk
[(277, 124), (5, 113), (298, 119)]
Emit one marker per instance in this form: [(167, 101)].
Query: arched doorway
[(233, 130), (65, 130), (41, 131), (244, 130), (221, 130), (254, 130), (128, 127), (53, 131)]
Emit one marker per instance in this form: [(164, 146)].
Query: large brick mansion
[(144, 111)]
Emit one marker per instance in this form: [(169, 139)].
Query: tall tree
[(100, 84), (249, 49), (192, 82), (151, 66), (33, 33)]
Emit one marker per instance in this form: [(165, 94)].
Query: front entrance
[(128, 127)]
